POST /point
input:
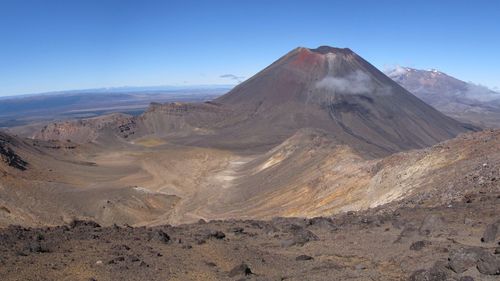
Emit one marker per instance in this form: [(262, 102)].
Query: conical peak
[(331, 50)]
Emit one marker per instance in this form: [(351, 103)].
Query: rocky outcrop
[(9, 156), (87, 130)]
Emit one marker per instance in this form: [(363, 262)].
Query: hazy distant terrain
[(29, 109)]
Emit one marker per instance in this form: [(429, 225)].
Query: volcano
[(329, 89), (335, 90)]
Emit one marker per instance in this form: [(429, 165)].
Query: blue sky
[(49, 45)]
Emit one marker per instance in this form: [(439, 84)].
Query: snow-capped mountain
[(467, 102)]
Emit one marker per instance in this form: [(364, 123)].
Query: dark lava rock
[(208, 234), (466, 278), (8, 156), (241, 269), (116, 260), (436, 273), (133, 259), (419, 245), (464, 258), (84, 223), (160, 235), (39, 237), (37, 247), (323, 223), (200, 241), (211, 264), (237, 230), (304, 258), (427, 275), (300, 236), (490, 233), (217, 234), (430, 224), (488, 264)]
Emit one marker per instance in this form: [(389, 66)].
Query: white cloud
[(233, 77), (480, 92), (396, 71), (356, 82)]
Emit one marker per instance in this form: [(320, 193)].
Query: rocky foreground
[(458, 241)]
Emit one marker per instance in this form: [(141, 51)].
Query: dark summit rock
[(241, 269)]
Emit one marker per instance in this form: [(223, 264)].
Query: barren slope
[(52, 182)]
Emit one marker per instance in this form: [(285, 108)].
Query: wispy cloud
[(233, 77), (395, 71), (480, 92), (354, 83)]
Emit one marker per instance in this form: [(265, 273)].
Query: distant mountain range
[(128, 89), (461, 100)]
